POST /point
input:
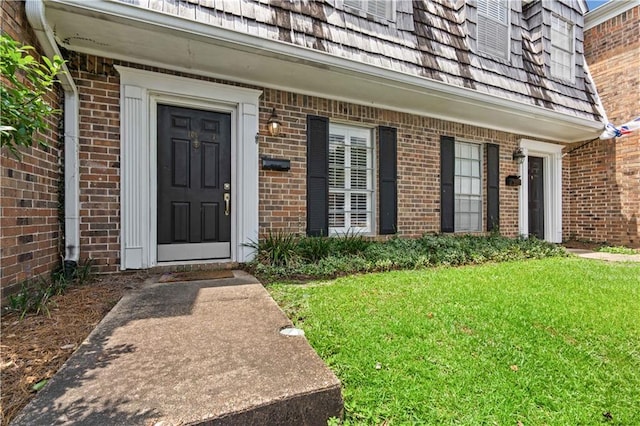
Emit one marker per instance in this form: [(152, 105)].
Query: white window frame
[(363, 6), (457, 193), (347, 132), (486, 49), (571, 51)]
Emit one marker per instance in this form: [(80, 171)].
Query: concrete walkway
[(609, 257), (201, 352)]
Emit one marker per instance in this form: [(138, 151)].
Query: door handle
[(227, 203)]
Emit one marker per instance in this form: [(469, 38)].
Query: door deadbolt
[(195, 143), (227, 186)]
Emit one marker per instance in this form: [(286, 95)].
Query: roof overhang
[(122, 31)]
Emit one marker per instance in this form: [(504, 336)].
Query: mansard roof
[(434, 39), (422, 59)]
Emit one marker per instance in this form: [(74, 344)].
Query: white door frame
[(551, 155), (140, 93)]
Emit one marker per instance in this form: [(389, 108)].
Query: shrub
[(313, 249), (26, 82), (276, 248), (323, 257)]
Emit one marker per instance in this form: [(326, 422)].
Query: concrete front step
[(200, 352)]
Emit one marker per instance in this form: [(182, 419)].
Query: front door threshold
[(193, 251)]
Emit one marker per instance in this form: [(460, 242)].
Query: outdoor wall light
[(519, 156), (273, 125)]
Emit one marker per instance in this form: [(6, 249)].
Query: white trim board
[(194, 47), (140, 92), (552, 178), (607, 11)]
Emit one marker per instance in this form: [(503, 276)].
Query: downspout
[(38, 21)]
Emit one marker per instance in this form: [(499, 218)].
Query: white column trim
[(134, 169), (552, 180), (140, 93)]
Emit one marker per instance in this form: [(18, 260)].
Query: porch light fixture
[(273, 125), (518, 156)]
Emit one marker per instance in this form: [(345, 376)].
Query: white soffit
[(125, 32)]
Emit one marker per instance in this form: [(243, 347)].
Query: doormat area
[(170, 277)]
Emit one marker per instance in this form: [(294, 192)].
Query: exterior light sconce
[(273, 125), (519, 156)]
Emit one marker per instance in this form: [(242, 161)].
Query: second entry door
[(536, 197), (194, 184)]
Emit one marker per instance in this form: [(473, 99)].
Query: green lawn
[(553, 341)]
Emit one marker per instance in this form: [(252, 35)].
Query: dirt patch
[(34, 348)]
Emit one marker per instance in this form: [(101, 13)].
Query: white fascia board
[(609, 10), (135, 15)]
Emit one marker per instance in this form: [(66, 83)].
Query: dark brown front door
[(194, 184), (536, 197)]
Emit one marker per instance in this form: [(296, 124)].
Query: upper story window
[(380, 8), (562, 48), (350, 179), (493, 28)]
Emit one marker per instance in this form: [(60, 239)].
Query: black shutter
[(317, 176), (447, 191), (493, 186), (388, 176)]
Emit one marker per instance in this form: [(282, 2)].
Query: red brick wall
[(605, 175), (29, 226), (99, 161), (282, 194)]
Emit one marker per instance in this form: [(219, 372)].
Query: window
[(493, 28), (350, 179), (561, 48), (468, 187), (380, 8)]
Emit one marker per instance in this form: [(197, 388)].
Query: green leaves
[(27, 82)]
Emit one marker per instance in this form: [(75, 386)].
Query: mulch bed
[(34, 348)]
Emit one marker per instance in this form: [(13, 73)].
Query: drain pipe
[(36, 17)]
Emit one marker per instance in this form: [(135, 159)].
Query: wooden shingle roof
[(434, 39)]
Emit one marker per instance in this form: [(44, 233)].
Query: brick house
[(605, 175), (395, 117)]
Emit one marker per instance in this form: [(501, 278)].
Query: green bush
[(26, 82), (276, 248), (324, 257)]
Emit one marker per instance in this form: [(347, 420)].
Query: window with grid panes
[(493, 27), (468, 187), (350, 180), (561, 48), (380, 8)]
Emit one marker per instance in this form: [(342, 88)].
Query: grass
[(552, 341), (618, 250)]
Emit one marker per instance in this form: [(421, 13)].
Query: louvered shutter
[(388, 175), (493, 28), (447, 173), (493, 186), (317, 176)]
